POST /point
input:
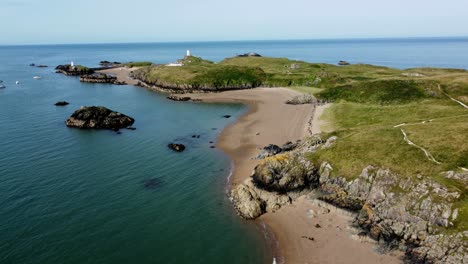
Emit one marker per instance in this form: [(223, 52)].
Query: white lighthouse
[(189, 53)]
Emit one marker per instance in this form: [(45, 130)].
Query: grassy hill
[(199, 74)]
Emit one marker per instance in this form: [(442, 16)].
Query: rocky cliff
[(410, 213)]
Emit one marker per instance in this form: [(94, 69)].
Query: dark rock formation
[(131, 128), (98, 117), (226, 116), (100, 78), (288, 146), (176, 147), (178, 98), (73, 70), (42, 66), (343, 63), (62, 103), (269, 151), (251, 54), (109, 64), (32, 64)]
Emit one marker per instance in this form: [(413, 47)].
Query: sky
[(116, 21)]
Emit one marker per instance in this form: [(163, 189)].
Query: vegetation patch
[(391, 91), (138, 64)]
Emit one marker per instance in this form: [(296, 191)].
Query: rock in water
[(179, 98), (62, 103), (98, 117), (176, 147)]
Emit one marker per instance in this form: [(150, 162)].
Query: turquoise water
[(71, 196)]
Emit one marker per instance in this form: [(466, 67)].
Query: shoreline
[(269, 120)]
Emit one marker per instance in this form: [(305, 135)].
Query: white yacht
[(37, 77)]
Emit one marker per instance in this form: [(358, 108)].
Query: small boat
[(17, 82), (2, 86), (37, 77)]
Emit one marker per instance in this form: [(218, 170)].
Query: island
[(98, 117)]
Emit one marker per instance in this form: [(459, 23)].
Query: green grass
[(202, 74), (138, 64), (392, 91), (307, 90), (367, 136)]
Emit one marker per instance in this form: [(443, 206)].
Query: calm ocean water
[(71, 196)]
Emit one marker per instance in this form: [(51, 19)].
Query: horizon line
[(239, 40)]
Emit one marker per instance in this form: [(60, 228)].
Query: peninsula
[(381, 149)]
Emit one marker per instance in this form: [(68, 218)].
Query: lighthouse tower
[(188, 53)]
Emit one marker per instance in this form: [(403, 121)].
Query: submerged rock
[(152, 184), (176, 147), (98, 117)]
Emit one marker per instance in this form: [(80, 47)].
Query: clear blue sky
[(94, 21)]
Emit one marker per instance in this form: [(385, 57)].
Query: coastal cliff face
[(403, 212)]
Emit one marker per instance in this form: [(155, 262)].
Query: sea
[(74, 196)]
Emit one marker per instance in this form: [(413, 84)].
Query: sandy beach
[(270, 121)]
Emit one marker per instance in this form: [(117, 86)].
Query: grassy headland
[(199, 74), (369, 104)]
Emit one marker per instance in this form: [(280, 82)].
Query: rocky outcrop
[(179, 98), (302, 99), (100, 78), (73, 70), (289, 172), (62, 103), (250, 54), (276, 181), (404, 212), (176, 147), (109, 64), (343, 63), (98, 117), (273, 149)]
